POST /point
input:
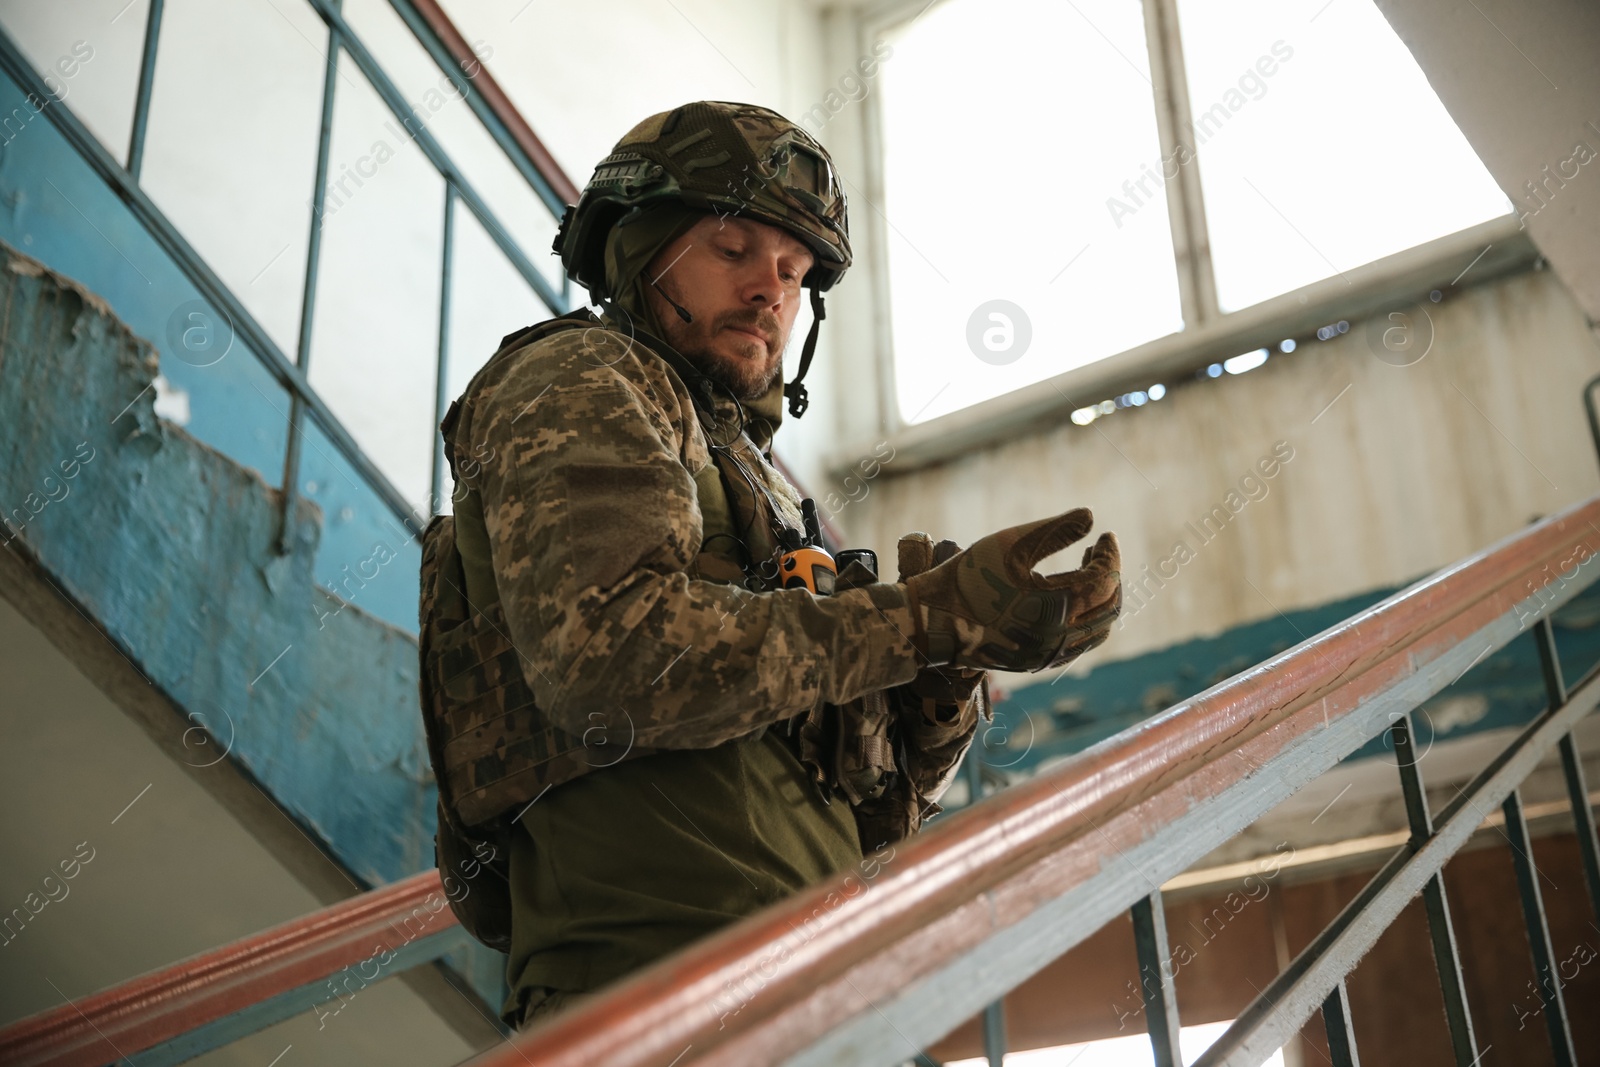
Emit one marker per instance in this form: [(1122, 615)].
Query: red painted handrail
[(654, 1018), (156, 1007), (497, 100), (657, 1015)]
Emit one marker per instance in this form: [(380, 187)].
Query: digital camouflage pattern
[(891, 750), (583, 458), (714, 156), (894, 752), (459, 653)]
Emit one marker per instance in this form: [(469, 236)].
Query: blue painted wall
[(170, 547), (54, 208)]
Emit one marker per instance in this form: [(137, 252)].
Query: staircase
[(254, 569), (231, 593)]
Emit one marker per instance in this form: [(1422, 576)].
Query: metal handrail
[(973, 906), (488, 102), (287, 968), (436, 33)]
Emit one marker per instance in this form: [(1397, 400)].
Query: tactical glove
[(986, 607), (945, 685)]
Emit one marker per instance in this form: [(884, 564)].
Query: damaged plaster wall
[(1395, 471), (170, 548)]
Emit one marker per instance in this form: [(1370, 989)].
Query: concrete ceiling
[(1522, 81)]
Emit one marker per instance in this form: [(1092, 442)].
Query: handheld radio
[(802, 561)]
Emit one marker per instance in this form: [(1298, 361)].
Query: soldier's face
[(740, 282)]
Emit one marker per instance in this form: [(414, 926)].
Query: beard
[(746, 377)]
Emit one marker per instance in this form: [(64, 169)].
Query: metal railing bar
[(203, 278), (1533, 915), (1318, 861), (141, 99), (1589, 409), (994, 1033), (1156, 979), (1411, 787), (1163, 794), (1583, 820), (1341, 1032), (439, 36), (309, 997), (1291, 998), (1544, 636), (1447, 964), (1232, 1042), (436, 155), (1441, 931), (1494, 766), (161, 1006), (308, 297), (441, 378), (1571, 761)]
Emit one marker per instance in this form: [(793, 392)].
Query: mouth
[(751, 334)]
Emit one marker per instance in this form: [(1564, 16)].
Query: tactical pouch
[(851, 745), (476, 871), (481, 859)]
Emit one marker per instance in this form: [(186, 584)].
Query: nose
[(764, 284)]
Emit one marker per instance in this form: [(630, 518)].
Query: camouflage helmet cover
[(714, 156)]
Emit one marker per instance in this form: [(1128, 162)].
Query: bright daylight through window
[(1321, 144), (1129, 1050), (1000, 149), (1024, 206)]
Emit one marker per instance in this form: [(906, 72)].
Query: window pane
[(1008, 127), (1321, 144)]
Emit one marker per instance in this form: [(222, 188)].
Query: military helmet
[(732, 159)]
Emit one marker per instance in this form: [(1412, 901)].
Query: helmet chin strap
[(799, 396)]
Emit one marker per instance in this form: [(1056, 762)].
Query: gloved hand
[(986, 607), (945, 684)]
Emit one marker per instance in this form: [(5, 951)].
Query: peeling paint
[(171, 547)]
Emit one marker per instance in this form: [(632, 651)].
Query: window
[(1321, 145), (1025, 185), (1005, 266)]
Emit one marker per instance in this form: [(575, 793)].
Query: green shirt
[(642, 858)]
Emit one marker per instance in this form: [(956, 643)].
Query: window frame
[(1209, 334)]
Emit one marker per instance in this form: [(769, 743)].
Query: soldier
[(630, 719)]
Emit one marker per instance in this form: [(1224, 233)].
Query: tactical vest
[(492, 751)]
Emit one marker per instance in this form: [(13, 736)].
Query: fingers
[(945, 549), (916, 554), (1036, 540), (1104, 555)]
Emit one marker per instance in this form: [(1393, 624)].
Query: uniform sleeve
[(592, 520)]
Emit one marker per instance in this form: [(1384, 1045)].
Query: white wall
[(169, 873), (232, 148)]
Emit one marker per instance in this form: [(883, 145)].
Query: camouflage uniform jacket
[(604, 548)]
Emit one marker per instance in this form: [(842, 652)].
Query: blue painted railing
[(68, 195)]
